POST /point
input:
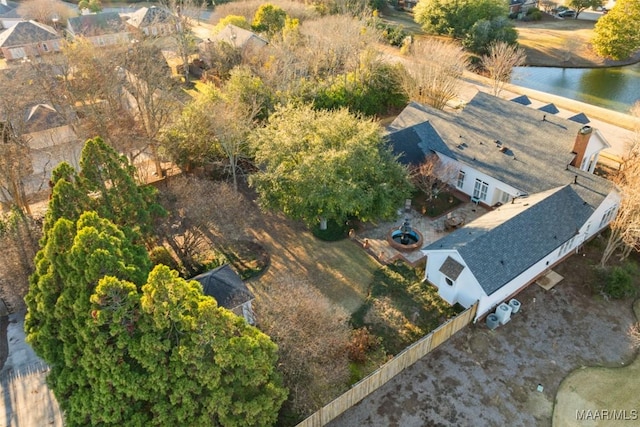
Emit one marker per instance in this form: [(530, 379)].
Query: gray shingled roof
[(451, 268), (41, 117), (146, 16), (238, 37), (580, 118), (10, 6), (533, 154), (97, 25), (413, 144), (225, 286), (27, 32), (522, 99), (549, 108), (505, 242)]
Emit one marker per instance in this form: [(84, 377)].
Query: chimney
[(580, 145)]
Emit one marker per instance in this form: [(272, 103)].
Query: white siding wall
[(465, 289), (495, 189)]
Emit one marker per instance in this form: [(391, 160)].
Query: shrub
[(160, 255), (361, 343), (619, 282)]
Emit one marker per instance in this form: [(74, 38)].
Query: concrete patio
[(373, 237)]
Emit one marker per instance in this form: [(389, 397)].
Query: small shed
[(228, 289)]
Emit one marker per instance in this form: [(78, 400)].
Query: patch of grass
[(400, 309), (249, 259), (437, 206)]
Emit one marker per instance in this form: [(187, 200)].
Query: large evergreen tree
[(129, 347)]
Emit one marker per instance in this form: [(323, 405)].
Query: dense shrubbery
[(619, 281)]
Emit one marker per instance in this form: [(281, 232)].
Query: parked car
[(567, 13), (559, 9)]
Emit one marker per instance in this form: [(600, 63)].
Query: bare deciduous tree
[(313, 337), (432, 176), (48, 12), (625, 228), (433, 72), (499, 63), (184, 12)]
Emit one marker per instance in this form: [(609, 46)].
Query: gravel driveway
[(483, 377)]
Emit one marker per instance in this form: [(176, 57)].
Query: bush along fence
[(386, 372)]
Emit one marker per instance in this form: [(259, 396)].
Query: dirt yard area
[(599, 396), (509, 376)]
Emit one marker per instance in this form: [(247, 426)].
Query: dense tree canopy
[(105, 184), (617, 34), (326, 165), (486, 32), (456, 17), (129, 347)]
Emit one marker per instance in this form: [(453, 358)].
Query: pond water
[(614, 88)]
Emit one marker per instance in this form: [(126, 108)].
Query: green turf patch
[(335, 231), (400, 308)]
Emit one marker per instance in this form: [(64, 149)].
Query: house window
[(505, 197), (45, 47), (608, 216), (460, 179), (567, 245), (448, 281), (480, 189)]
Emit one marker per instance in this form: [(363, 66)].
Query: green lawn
[(400, 309)]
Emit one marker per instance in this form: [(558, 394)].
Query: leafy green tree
[(237, 20), (326, 165), (485, 32), (105, 184), (456, 17), (581, 5), (93, 6), (269, 19), (617, 34)]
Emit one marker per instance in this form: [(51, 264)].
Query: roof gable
[(451, 268), (580, 118), (146, 16), (225, 286), (27, 32), (238, 37)]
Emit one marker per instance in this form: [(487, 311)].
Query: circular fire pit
[(405, 238)]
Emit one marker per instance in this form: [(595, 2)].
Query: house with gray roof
[(535, 175), (229, 291), (28, 38), (152, 21), (9, 15), (101, 29)]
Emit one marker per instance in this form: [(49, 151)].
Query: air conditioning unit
[(503, 311), (492, 321), (515, 305)]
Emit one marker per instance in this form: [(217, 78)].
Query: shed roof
[(225, 286)]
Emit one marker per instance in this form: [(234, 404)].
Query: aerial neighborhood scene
[(321, 212)]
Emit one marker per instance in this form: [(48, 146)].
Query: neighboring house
[(238, 38), (518, 6), (51, 141), (101, 29), (9, 14), (535, 171), (152, 21), (28, 38), (228, 289)]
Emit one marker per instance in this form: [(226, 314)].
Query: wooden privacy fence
[(386, 372)]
